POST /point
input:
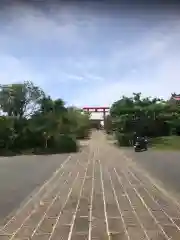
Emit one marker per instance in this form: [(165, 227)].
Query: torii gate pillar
[(104, 115)]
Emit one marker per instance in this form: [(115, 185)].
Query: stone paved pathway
[(96, 194)]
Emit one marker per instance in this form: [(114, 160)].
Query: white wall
[(97, 115)]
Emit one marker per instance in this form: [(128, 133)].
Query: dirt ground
[(96, 194)]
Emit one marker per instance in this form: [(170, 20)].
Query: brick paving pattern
[(96, 194)]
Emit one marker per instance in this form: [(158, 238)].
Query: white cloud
[(12, 70), (35, 25), (146, 61), (166, 82), (155, 72), (37, 29)]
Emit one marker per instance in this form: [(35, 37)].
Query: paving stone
[(122, 204)]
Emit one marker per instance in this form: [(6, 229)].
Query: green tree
[(35, 122), (20, 100), (145, 116), (79, 122)]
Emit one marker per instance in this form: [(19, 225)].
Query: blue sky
[(91, 56)]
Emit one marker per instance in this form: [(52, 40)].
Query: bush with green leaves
[(151, 117), (66, 143), (32, 121)]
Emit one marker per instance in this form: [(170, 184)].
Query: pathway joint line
[(45, 195), (104, 202), (49, 207), (91, 202), (32, 212), (119, 208), (155, 185), (59, 215), (148, 209), (132, 207), (77, 206), (28, 217), (167, 215), (38, 192)]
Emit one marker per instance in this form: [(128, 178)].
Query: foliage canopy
[(32, 121), (152, 117)]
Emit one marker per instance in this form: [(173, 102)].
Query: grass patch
[(166, 143)]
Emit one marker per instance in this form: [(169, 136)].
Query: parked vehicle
[(140, 144)]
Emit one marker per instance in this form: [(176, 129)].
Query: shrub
[(83, 133), (124, 139), (66, 143)]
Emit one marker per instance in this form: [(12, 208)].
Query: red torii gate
[(103, 110)]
